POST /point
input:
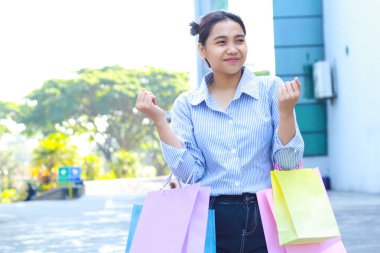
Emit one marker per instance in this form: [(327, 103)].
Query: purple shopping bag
[(265, 201), (196, 233), (172, 220)]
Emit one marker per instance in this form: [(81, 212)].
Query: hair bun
[(194, 30)]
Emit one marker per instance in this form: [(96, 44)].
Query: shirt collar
[(245, 86)]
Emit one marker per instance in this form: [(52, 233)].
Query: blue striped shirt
[(231, 150)]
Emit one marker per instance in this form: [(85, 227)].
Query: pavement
[(99, 221), (358, 217)]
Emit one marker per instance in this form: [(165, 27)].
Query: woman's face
[(225, 48)]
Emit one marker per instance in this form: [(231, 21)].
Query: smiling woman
[(230, 132)]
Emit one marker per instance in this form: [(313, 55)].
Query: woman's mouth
[(232, 60)]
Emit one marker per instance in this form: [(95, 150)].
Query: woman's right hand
[(146, 103)]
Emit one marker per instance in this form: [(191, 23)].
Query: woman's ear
[(202, 51)]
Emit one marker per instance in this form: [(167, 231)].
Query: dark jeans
[(238, 224)]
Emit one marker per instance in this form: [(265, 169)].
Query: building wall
[(352, 46), (299, 43)]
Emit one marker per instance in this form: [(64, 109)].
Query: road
[(99, 221)]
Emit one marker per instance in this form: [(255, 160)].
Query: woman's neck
[(225, 82), (223, 88)]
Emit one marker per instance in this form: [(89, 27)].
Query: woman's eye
[(240, 41), (221, 42)]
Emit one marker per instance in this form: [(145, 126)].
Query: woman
[(230, 132)]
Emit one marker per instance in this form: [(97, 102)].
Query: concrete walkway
[(99, 221), (358, 217)]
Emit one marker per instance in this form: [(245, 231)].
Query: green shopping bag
[(303, 212)]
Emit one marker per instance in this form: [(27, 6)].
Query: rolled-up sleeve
[(287, 156), (188, 161)]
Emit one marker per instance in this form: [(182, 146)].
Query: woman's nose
[(231, 49)]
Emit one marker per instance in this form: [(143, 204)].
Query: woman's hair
[(208, 21)]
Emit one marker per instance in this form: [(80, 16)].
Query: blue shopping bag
[(210, 243)]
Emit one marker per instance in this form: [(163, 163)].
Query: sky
[(45, 39)]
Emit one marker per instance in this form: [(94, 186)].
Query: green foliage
[(91, 166), (150, 149), (8, 195), (125, 164), (110, 175), (3, 129), (53, 151), (8, 111), (100, 102), (13, 194), (262, 73), (8, 169)]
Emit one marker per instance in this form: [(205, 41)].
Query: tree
[(125, 164), (8, 168), (9, 111), (91, 166), (53, 151), (101, 102)]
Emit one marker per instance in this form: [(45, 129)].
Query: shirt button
[(237, 184), (230, 121), (233, 151)]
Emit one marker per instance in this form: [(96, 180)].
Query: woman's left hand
[(288, 96)]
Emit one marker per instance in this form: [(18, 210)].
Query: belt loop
[(249, 196)]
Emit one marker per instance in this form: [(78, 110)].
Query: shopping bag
[(136, 211), (302, 210), (210, 242), (170, 221), (196, 232), (265, 201)]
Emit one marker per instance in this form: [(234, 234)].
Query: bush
[(125, 164), (11, 195), (91, 166), (108, 176)]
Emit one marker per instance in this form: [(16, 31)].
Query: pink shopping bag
[(196, 233), (265, 201), (173, 220)]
